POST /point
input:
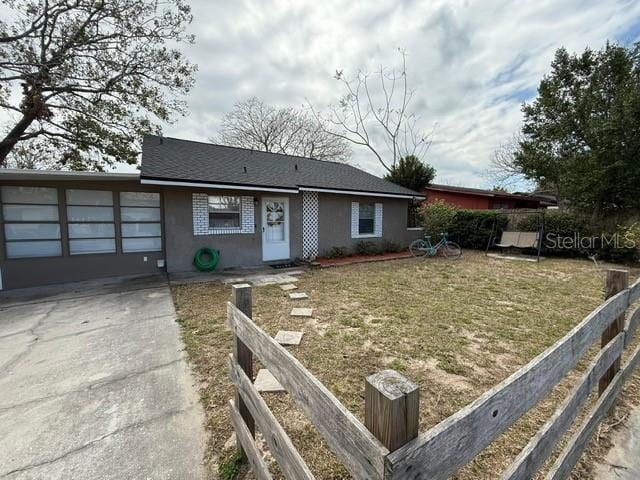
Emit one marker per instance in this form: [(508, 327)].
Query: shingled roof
[(172, 160)]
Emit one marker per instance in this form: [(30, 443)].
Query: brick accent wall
[(200, 204), (377, 227)]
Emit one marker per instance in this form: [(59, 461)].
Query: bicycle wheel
[(418, 248), (451, 250)]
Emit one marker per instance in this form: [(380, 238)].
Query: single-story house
[(479, 199), (254, 207)]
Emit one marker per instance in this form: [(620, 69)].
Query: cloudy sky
[(472, 63)]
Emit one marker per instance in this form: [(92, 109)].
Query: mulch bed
[(325, 262)]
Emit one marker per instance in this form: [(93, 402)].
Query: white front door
[(275, 228)]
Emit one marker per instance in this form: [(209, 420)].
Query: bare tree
[(367, 113), (504, 171), (89, 77), (256, 125)]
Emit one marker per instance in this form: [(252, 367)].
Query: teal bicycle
[(424, 247)]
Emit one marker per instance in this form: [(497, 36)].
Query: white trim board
[(274, 189), (24, 174), (363, 194)]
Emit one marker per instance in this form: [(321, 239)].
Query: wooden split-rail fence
[(388, 444)]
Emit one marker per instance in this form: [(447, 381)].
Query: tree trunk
[(13, 137)]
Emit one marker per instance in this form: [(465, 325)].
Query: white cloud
[(472, 61)]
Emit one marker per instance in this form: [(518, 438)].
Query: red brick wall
[(478, 202), (462, 200)]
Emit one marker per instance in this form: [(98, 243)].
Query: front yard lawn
[(456, 328)]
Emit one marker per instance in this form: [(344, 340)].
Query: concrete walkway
[(94, 385), (623, 460)]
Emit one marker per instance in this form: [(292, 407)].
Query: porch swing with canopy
[(512, 237)]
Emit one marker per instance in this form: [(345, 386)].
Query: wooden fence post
[(242, 355), (617, 280), (392, 408)]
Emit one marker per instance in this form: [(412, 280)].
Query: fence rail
[(388, 445), (356, 446)]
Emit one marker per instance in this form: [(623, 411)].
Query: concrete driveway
[(94, 385)]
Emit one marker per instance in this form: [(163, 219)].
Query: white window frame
[(70, 222), (124, 204), (57, 239), (200, 204), (355, 221), (214, 228)]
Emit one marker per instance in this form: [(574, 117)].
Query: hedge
[(468, 228), (591, 237), (472, 229)]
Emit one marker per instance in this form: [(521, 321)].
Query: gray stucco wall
[(179, 242), (334, 221), (27, 272), (236, 250)]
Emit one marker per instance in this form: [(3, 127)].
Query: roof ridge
[(319, 172), (251, 150)]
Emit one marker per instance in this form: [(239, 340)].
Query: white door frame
[(280, 250)]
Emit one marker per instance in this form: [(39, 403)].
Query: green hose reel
[(206, 259)]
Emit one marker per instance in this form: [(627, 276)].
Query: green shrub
[(368, 247), (437, 217), (337, 252), (583, 236), (472, 228), (468, 228), (557, 225), (389, 246), (230, 468), (560, 223), (631, 235), (625, 249)]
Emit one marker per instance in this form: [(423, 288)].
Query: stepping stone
[(266, 382), (298, 296), (288, 286), (285, 337), (270, 279), (301, 312), (295, 272)]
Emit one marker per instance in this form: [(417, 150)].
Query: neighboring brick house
[(255, 207), (478, 199)]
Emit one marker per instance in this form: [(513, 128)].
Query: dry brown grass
[(454, 327)]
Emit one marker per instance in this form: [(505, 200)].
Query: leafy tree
[(411, 173), (87, 78), (256, 125), (437, 217), (31, 155), (582, 132)]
